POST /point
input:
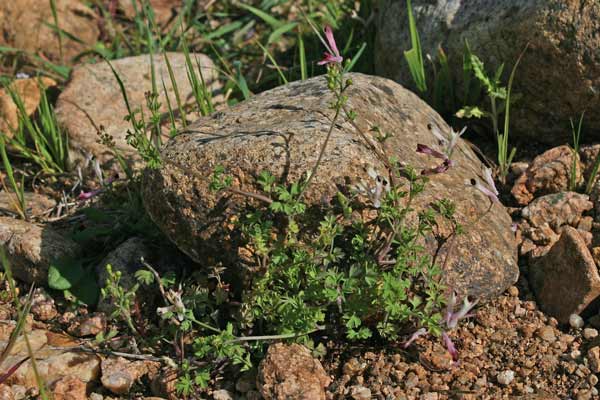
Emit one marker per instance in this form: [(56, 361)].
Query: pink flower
[(448, 144), (332, 55), (492, 192), (88, 195), (450, 346), (443, 167), (424, 149)]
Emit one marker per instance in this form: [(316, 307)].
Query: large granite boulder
[(559, 75), (282, 131), (93, 99)]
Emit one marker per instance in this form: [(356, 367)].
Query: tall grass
[(414, 56), (40, 140)]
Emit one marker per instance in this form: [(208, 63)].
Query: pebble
[(593, 380), (590, 333), (513, 291), (222, 395), (505, 377), (360, 393), (575, 321), (593, 355), (546, 333)]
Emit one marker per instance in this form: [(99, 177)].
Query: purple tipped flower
[(451, 317), (450, 346), (448, 144), (443, 167), (89, 195), (424, 149), (492, 193), (332, 55)]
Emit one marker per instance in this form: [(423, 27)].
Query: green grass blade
[(272, 21), (60, 34), (282, 30), (302, 52), (272, 59), (180, 105)]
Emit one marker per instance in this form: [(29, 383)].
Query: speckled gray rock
[(565, 280), (93, 94), (559, 75), (126, 259), (30, 248), (282, 131)]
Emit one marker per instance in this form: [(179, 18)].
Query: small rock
[(590, 333), (513, 291), (126, 260), (222, 395), (30, 248), (119, 374), (593, 379), (565, 280), (88, 325), (69, 388), (593, 356), (246, 382), (556, 210), (505, 377), (360, 393), (42, 306), (576, 321), (584, 395), (290, 372), (546, 333), (548, 173)]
